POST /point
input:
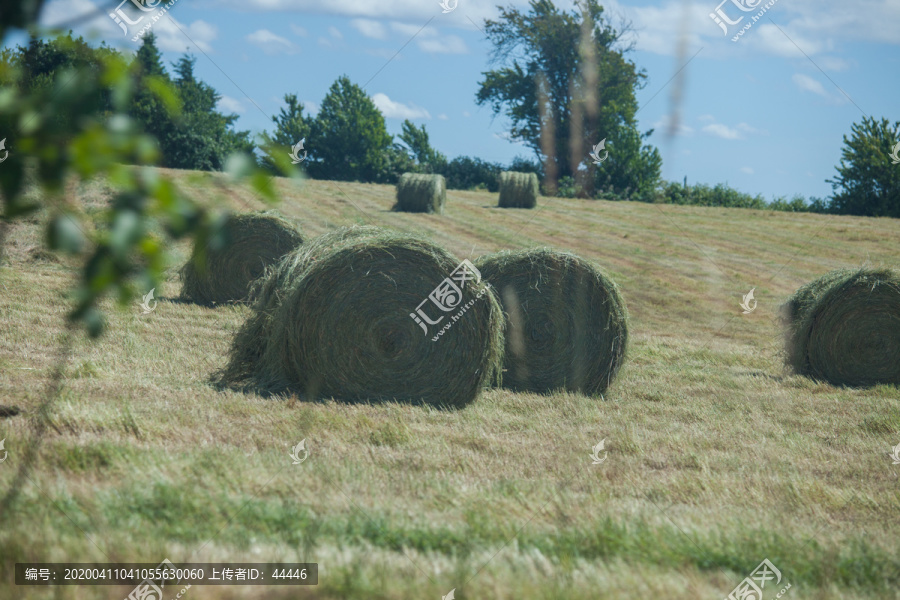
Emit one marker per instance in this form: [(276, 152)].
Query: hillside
[(717, 457)]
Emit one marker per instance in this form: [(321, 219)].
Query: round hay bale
[(339, 318), (844, 328), (566, 323), (251, 242), (518, 190), (421, 193)]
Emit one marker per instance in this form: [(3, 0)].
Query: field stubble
[(717, 457)]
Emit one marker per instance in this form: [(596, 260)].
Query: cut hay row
[(333, 320), (223, 272), (844, 328), (566, 323), (421, 193), (518, 190)]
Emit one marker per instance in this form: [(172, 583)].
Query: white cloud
[(443, 117), (467, 113), (335, 33), (833, 63), (722, 131), (706, 118), (227, 104), (657, 26), (311, 108), (429, 39), (808, 84), (397, 110), (747, 170), (411, 10), (369, 28), (449, 44), (664, 123), (729, 133), (411, 30), (58, 12), (749, 129), (172, 35), (325, 42), (177, 37), (271, 43), (660, 29), (784, 41), (299, 30)]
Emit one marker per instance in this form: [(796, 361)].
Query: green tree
[(202, 138), (155, 106), (291, 126), (564, 85), (42, 61), (631, 169), (349, 140), (428, 160), (467, 173), (149, 58), (868, 183)]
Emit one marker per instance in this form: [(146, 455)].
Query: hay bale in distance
[(252, 242), (334, 320), (566, 322), (518, 190), (844, 327), (421, 193)]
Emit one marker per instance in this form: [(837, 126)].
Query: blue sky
[(765, 113)]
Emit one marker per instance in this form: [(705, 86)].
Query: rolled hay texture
[(339, 318), (844, 327), (566, 322), (518, 190), (252, 242), (421, 193)]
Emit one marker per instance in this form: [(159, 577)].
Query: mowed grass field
[(717, 457)]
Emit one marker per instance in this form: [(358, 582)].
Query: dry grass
[(717, 457)]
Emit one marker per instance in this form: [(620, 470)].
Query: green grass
[(717, 457)]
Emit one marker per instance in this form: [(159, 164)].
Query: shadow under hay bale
[(421, 193), (251, 242), (566, 322), (844, 328), (518, 190), (333, 319)]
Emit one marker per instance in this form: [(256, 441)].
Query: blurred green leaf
[(127, 230), (264, 184), (239, 165), (64, 234)]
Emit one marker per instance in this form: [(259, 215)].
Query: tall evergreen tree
[(291, 126), (349, 140), (868, 181), (149, 58), (148, 107), (200, 137)]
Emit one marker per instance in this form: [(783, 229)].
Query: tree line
[(559, 78)]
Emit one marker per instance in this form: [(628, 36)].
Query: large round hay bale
[(566, 323), (518, 190), (844, 327), (421, 193), (251, 242), (340, 317)]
